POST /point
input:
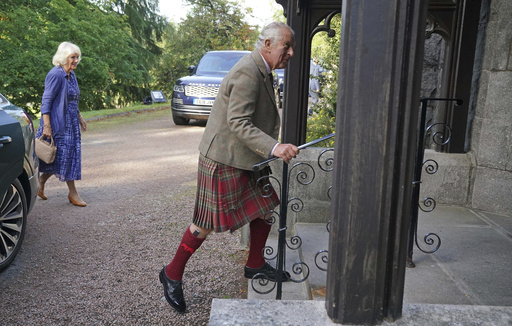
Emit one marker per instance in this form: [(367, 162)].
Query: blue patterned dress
[(68, 160)]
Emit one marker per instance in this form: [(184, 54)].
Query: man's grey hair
[(272, 32)]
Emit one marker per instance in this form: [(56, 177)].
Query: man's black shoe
[(266, 272), (173, 292)]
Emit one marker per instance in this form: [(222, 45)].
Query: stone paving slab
[(472, 266), (313, 313), (315, 239), (466, 282)]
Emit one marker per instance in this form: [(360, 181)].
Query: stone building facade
[(481, 178), (492, 125)]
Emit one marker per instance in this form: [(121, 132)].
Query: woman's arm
[(83, 124), (47, 126), (52, 86)]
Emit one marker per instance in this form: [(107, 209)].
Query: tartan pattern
[(227, 198)]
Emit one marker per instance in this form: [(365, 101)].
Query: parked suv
[(193, 96), (19, 180)]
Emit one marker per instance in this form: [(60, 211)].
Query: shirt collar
[(266, 64), (64, 73)]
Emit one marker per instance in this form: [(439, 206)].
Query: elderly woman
[(61, 119)]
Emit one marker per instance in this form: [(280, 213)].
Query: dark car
[(193, 96), (19, 178)]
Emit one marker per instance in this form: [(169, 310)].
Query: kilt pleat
[(228, 198)]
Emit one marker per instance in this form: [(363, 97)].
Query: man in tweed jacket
[(242, 130)]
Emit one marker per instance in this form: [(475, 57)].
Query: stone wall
[(451, 183), (310, 180), (492, 125), (481, 178)]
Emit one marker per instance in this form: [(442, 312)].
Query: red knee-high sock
[(259, 234), (189, 244)]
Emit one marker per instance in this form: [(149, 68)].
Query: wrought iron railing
[(299, 270), (440, 134)]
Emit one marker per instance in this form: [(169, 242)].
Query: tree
[(173, 61), (146, 25), (327, 50), (114, 69), (279, 14), (209, 25), (23, 47)]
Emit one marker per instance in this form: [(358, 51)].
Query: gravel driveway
[(99, 265)]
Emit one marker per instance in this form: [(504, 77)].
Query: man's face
[(282, 51)]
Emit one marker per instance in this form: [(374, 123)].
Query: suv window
[(217, 63)]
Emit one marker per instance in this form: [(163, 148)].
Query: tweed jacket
[(243, 126)]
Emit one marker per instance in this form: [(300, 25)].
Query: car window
[(218, 63)]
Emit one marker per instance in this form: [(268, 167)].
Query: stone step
[(315, 244), (314, 238), (467, 281), (290, 290)]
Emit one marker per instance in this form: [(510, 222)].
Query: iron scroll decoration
[(428, 204), (326, 27), (304, 174)]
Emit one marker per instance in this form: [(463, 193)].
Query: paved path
[(99, 265)]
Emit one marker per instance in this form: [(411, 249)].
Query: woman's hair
[(64, 51), (273, 32)]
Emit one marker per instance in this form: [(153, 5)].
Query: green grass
[(125, 120), (99, 113)]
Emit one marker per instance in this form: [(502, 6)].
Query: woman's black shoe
[(266, 272), (173, 291)]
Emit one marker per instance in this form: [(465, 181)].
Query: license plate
[(199, 101)]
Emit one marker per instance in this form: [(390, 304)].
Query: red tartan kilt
[(227, 198)]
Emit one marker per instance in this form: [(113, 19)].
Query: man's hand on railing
[(290, 150), (286, 152)]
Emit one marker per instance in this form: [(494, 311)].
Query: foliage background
[(327, 50), (209, 25), (127, 48)]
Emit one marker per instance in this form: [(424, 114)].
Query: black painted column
[(296, 86), (304, 17), (461, 64), (378, 104)]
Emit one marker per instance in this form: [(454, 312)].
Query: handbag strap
[(51, 139)]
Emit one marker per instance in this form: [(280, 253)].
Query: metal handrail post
[(281, 245), (416, 183), (418, 167)]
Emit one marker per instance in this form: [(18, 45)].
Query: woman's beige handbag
[(45, 151)]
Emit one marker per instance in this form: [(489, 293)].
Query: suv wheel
[(179, 120), (13, 219)]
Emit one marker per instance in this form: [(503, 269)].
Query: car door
[(12, 149)]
